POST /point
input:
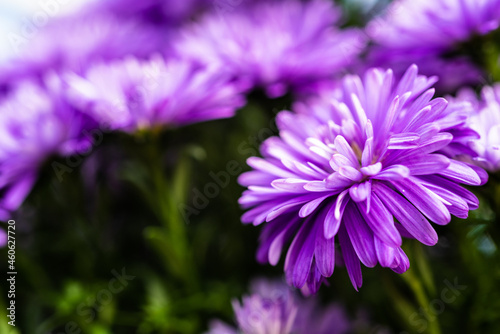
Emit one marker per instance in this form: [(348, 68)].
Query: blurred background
[(131, 241), (14, 13)]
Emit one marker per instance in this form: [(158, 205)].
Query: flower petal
[(371, 169), (393, 173), (427, 164), (360, 191), (424, 200), (461, 172), (289, 185), (385, 254), (324, 253), (411, 219), (343, 147), (334, 215), (300, 255), (267, 167), (381, 221), (401, 141), (350, 173), (351, 259), (360, 235), (309, 207)]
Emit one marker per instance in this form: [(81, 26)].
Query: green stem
[(169, 215), (405, 308), (417, 279)]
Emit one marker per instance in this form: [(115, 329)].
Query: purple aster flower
[(270, 309), (486, 122), (275, 44), (74, 43), (428, 33), (129, 95), (273, 308), (35, 123), (362, 172)]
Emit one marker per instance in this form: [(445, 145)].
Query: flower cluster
[(136, 66), (367, 156)]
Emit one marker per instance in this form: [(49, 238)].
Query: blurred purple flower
[(75, 42), (130, 95), (35, 123), (274, 44), (270, 309), (313, 318), (433, 25), (163, 12), (428, 33), (486, 122), (273, 308), (219, 327), (453, 72), (348, 168)]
